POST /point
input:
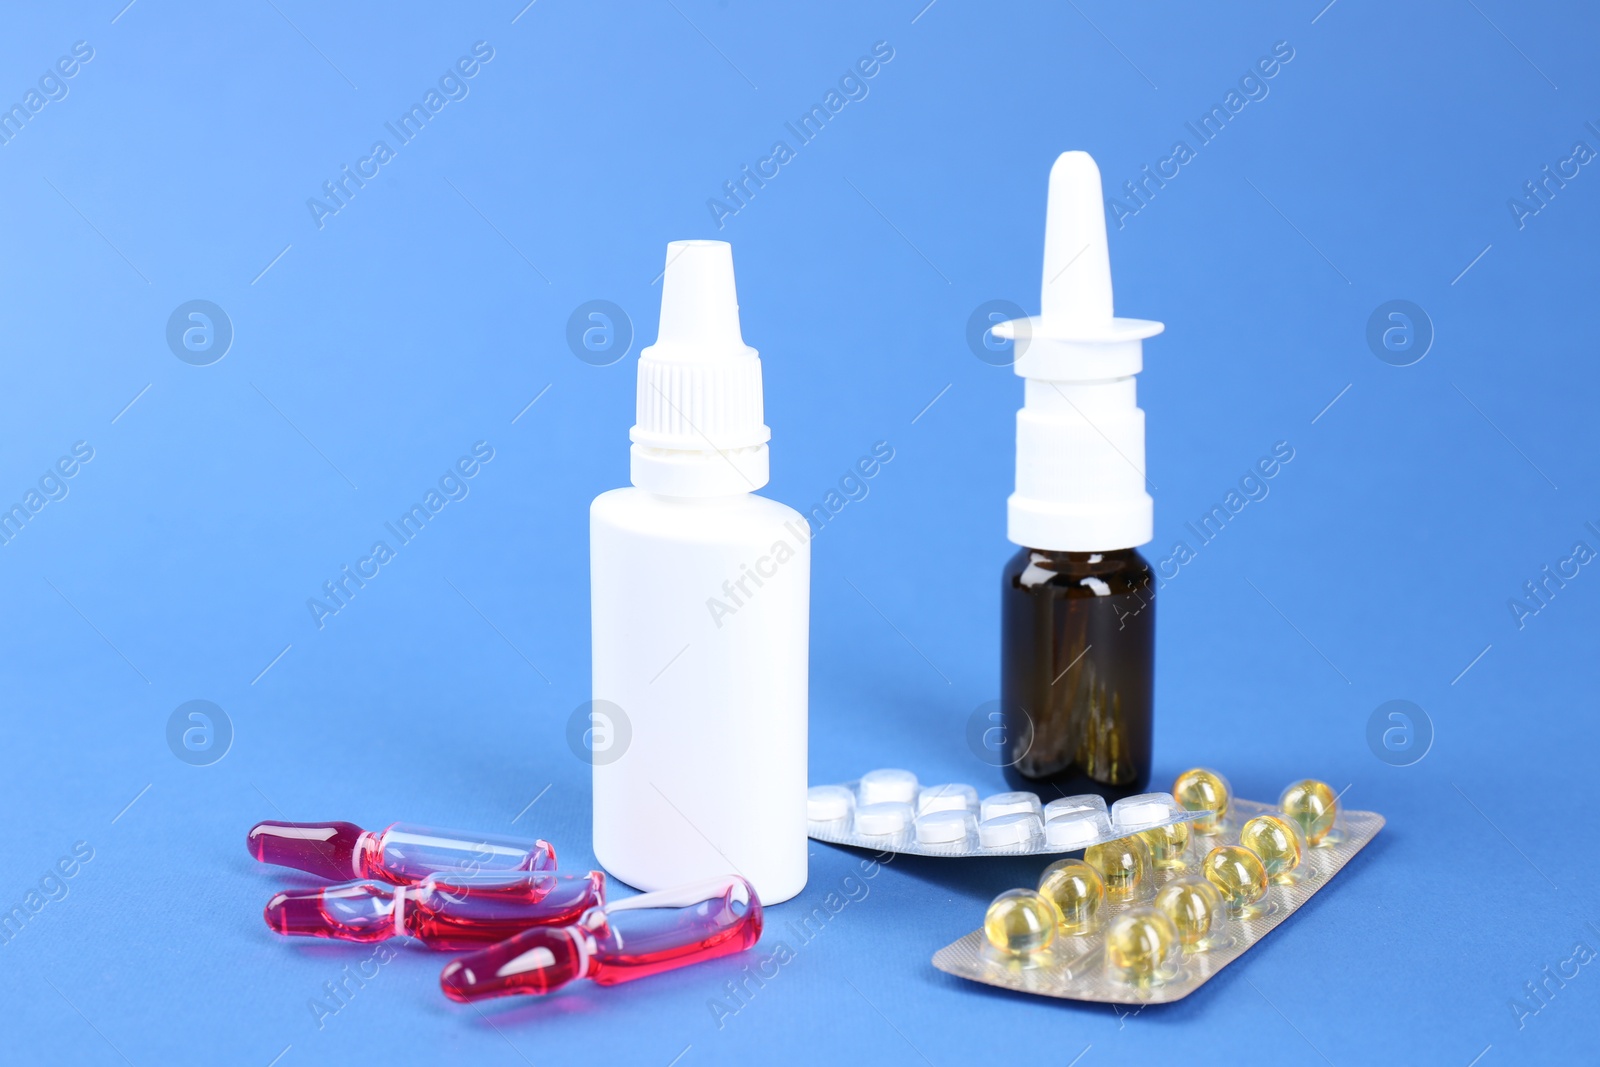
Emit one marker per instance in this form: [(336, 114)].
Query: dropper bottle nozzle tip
[(699, 302)]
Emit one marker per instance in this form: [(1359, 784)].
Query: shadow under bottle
[(1077, 669)]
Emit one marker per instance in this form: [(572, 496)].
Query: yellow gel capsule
[(1124, 865), (1167, 844), (1139, 942), (1020, 921), (1313, 805), (1238, 874), (1277, 840), (1203, 790), (1077, 891), (1195, 908)]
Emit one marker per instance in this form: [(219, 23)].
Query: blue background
[(428, 312)]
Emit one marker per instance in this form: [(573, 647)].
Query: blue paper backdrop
[(373, 345)]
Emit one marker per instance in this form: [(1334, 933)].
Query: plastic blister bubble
[(945, 827), (1197, 912), (1142, 811), (1088, 802), (1124, 865), (1207, 792), (1140, 946), (1169, 845), (829, 803), (1020, 922), (1015, 830), (999, 804), (887, 786), (1281, 844), (1078, 829), (1239, 876), (952, 796), (883, 819), (1315, 806), (1077, 891)]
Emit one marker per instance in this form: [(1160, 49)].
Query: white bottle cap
[(1080, 434), (699, 429)]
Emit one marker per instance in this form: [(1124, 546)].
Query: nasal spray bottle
[(1078, 600), (701, 595)]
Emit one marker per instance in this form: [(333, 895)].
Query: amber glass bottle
[(1077, 650)]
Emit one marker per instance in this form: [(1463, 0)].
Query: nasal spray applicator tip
[(1077, 262), (1080, 433)]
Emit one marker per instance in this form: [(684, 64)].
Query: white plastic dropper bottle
[(701, 595)]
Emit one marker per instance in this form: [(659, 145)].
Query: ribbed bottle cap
[(699, 430)]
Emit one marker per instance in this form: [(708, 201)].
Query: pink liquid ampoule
[(442, 911), (403, 854), (627, 939)]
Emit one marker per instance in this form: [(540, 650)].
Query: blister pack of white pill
[(890, 811), (1149, 918)]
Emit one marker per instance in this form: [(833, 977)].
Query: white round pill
[(825, 803), (1068, 805), (1009, 831), (1010, 804), (1146, 809), (944, 827), (876, 820), (888, 785), (951, 797), (1077, 829)]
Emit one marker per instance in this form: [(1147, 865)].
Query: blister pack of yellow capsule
[(888, 810), (1149, 918)]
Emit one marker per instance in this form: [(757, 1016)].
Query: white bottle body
[(701, 626)]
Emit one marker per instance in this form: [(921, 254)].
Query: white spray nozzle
[(699, 430), (1076, 337), (1076, 291), (1080, 433)]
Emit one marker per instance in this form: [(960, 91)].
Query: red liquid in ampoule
[(629, 939), (442, 911), (327, 849), (401, 854)]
